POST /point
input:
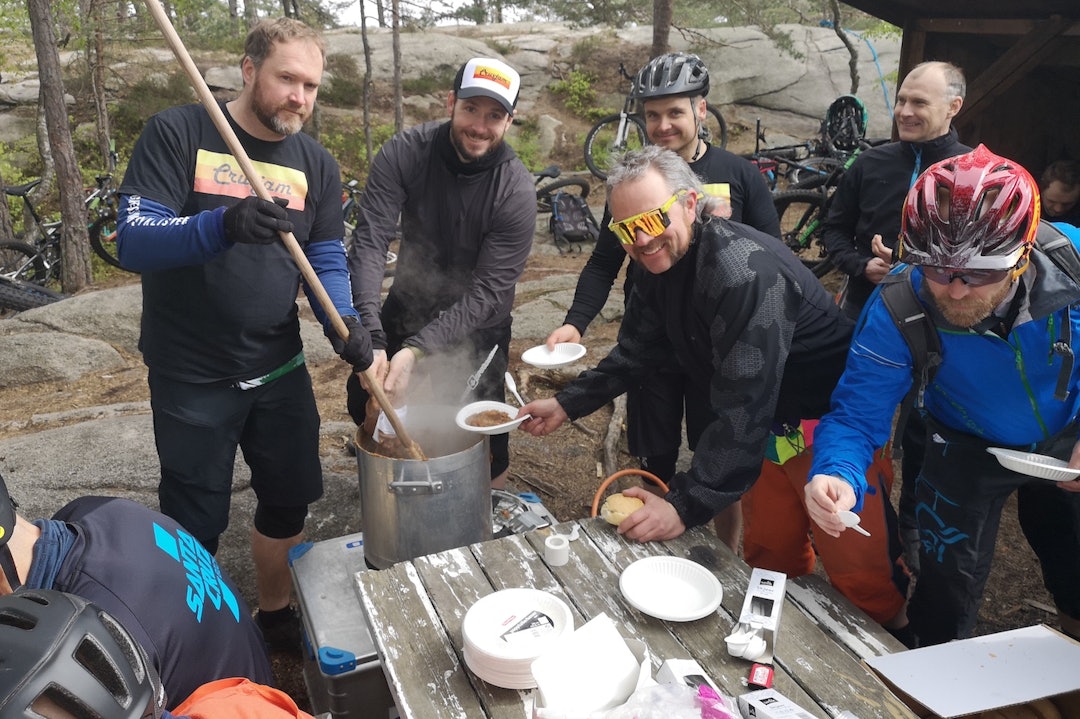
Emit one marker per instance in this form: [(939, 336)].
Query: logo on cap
[(483, 72)]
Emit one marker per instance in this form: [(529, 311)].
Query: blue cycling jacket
[(998, 389)]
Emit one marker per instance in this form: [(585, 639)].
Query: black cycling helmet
[(62, 648), (671, 75)]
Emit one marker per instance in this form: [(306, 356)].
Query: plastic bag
[(675, 701), (383, 429)]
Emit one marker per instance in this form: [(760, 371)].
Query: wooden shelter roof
[(1022, 62)]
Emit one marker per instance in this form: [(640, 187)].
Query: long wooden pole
[(308, 273)]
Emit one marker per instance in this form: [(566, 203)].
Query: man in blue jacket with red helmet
[(1004, 313)]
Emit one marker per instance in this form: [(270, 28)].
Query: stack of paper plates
[(506, 630)]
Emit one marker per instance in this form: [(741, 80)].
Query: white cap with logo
[(488, 77)]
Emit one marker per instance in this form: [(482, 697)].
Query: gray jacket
[(467, 230)]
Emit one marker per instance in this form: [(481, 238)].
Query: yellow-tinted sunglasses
[(651, 222)]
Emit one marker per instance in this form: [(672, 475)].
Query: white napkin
[(587, 670), (383, 428)]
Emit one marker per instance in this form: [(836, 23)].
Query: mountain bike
[(545, 191), (802, 212), (102, 204), (350, 207), (39, 261), (622, 132)]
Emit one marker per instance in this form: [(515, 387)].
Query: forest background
[(87, 107)]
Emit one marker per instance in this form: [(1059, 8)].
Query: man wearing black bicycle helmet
[(180, 605), (676, 75), (671, 91), (63, 656)]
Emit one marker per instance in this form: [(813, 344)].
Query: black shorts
[(443, 379), (197, 429)]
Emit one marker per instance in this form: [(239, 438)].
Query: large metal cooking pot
[(410, 507)]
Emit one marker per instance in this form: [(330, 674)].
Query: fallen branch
[(614, 434)]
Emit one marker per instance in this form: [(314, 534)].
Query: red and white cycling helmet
[(977, 211)]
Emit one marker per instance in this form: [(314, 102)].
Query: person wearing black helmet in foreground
[(150, 574), (671, 90), (62, 657), (1003, 312)]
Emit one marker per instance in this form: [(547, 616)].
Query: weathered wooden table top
[(415, 610)]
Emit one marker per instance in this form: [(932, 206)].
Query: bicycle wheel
[(574, 185), (715, 127), (802, 226), (20, 261), (18, 295), (103, 241), (813, 172), (604, 145)]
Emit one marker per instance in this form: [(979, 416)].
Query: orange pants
[(776, 535)]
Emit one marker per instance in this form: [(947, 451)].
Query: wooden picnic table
[(415, 610)]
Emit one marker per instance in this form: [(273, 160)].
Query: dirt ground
[(563, 468)]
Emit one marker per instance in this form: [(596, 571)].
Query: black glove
[(257, 221), (357, 350)]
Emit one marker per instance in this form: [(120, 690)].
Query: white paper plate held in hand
[(470, 410), (671, 588), (1034, 465), (563, 354)]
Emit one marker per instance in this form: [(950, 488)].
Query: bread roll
[(618, 507)]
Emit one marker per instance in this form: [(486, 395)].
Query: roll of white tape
[(556, 550)]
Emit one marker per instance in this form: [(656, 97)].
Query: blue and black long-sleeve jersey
[(214, 311)]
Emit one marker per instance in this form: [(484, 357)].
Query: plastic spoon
[(513, 389), (851, 521)]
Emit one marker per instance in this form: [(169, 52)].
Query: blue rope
[(874, 55)]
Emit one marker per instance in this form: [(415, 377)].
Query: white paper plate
[(564, 354), (482, 406), (671, 588), (520, 678), (1034, 465), (510, 628)]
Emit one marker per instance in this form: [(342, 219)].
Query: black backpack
[(572, 221), (909, 315)]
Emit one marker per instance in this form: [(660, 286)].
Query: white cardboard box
[(770, 704), (761, 607), (961, 678)]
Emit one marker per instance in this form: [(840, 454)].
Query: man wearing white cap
[(467, 209)]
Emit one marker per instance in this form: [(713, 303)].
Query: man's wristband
[(418, 353)]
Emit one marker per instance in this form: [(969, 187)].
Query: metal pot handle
[(416, 486)]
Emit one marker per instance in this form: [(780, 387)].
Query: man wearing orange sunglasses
[(751, 327), (752, 330)]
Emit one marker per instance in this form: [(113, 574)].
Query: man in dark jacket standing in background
[(871, 194), (467, 208), (864, 222)]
